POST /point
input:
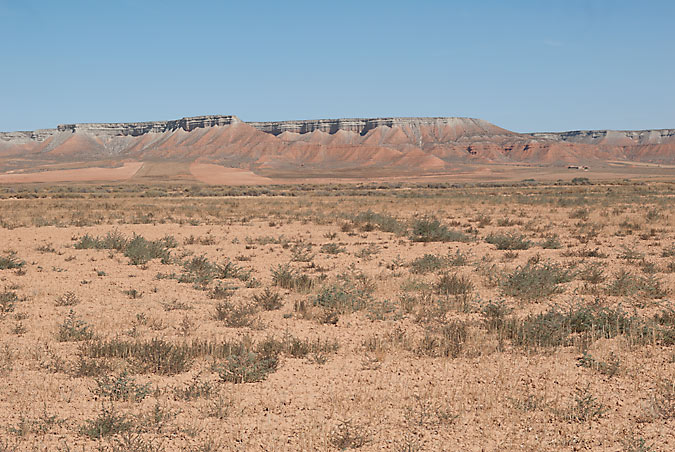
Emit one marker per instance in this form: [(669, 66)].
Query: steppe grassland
[(522, 317)]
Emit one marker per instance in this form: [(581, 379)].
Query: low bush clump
[(429, 229), (235, 316), (138, 249), (9, 261), (107, 423), (551, 242), (535, 281), (268, 300), (368, 221), (154, 356), (510, 241), (627, 284), (73, 329), (448, 342), (286, 277), (201, 272), (121, 387), (428, 263), (342, 297), (556, 327), (8, 298), (453, 284), (246, 365)]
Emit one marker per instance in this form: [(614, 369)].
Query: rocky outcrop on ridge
[(416, 145), (611, 137), (361, 126)]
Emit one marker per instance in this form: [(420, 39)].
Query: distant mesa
[(329, 147)]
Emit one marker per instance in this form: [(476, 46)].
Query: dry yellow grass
[(394, 344)]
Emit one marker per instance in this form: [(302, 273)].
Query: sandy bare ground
[(220, 175), (74, 175), (414, 368)]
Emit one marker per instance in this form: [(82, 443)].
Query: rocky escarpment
[(610, 137), (121, 129), (415, 145), (362, 126), (135, 129)]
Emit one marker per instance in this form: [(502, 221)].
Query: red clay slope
[(411, 145)]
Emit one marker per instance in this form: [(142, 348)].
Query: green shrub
[(342, 297), (114, 240), (332, 248), (446, 343), (230, 270), (627, 284), (235, 316), (244, 365), (429, 229), (302, 252), (547, 329), (199, 271), (120, 387), (593, 273), (8, 298), (9, 261), (428, 263), (453, 284), (349, 436), (585, 408), (535, 281), (154, 356), (370, 220), (510, 241), (107, 423), (74, 329), (581, 181), (551, 242), (286, 277), (195, 389), (268, 300), (494, 315), (556, 327), (296, 348), (140, 250)]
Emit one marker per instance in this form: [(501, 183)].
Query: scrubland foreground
[(393, 317)]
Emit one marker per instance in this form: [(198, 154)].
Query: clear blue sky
[(523, 65)]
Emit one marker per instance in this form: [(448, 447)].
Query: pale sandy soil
[(73, 175), (220, 175), (161, 171), (380, 390)]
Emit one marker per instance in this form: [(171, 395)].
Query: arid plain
[(392, 316)]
